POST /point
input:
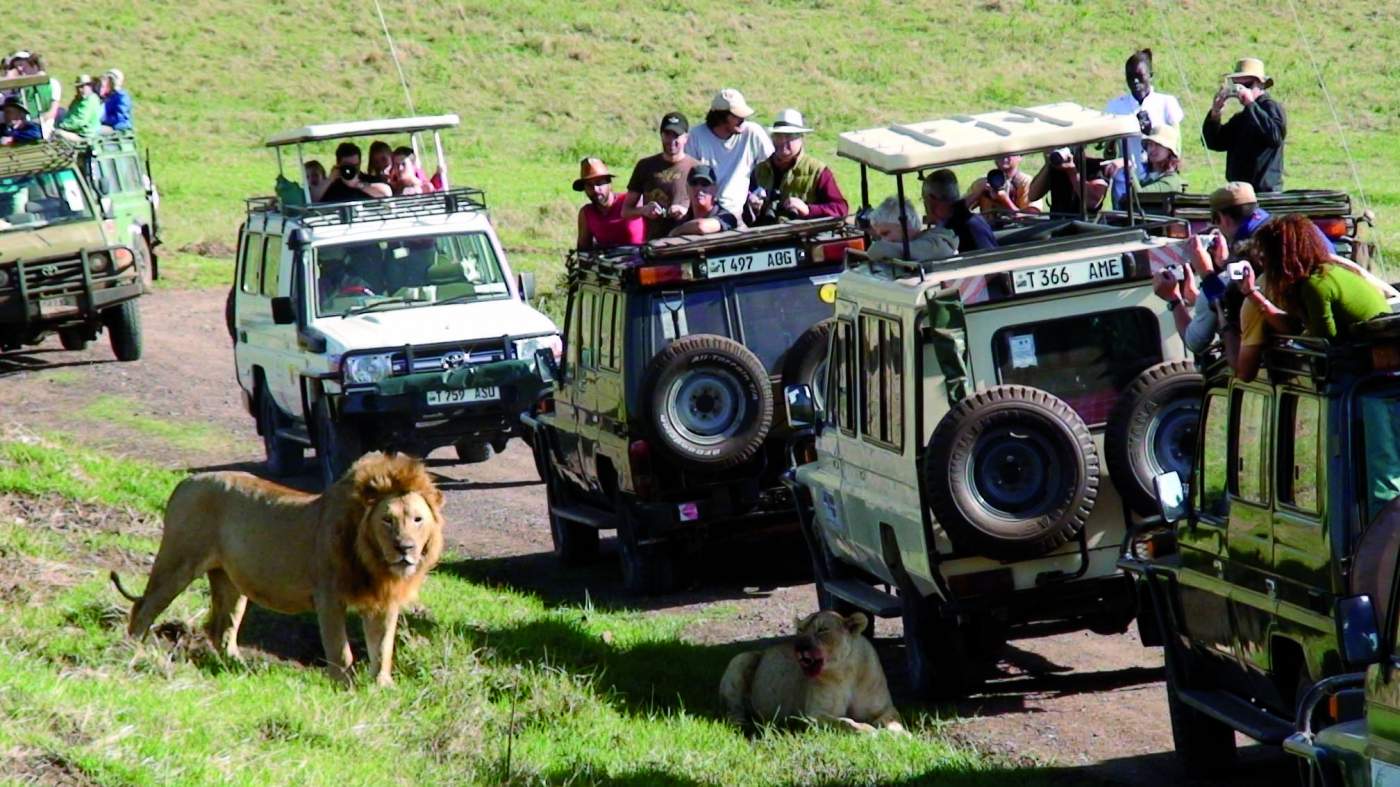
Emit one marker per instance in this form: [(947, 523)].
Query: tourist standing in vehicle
[(1253, 139), (944, 208), (706, 215), (47, 96), (1180, 289), (1162, 155), (116, 101), (1005, 189), (1154, 110), (732, 145), (657, 191), (891, 223), (1069, 189), (601, 224), (1313, 286), (791, 184), (17, 130), (347, 183), (405, 176), (84, 116), (381, 158)]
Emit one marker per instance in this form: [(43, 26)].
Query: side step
[(296, 434), (585, 515), (876, 602), (1240, 714)]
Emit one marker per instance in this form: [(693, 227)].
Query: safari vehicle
[(1292, 509), (122, 177), (661, 421), (956, 476), (66, 263), (380, 323)]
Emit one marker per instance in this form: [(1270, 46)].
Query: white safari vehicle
[(380, 323), (991, 422)]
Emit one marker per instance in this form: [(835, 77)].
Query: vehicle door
[(823, 476), (1302, 557), (129, 200), (252, 312), (600, 403), (1201, 539), (1249, 539), (572, 394)]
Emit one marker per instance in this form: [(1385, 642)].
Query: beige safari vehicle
[(989, 423)]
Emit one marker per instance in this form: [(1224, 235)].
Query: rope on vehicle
[(393, 52), (1186, 87)]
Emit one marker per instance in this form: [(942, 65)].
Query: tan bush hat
[(731, 100), (1251, 67), (591, 169), (1168, 137), (789, 121), (1231, 194)]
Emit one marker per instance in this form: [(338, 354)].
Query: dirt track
[(1093, 704)]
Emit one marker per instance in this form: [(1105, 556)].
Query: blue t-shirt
[(29, 132), (116, 111)]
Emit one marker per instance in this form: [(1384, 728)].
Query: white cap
[(789, 122), (117, 76), (731, 100)]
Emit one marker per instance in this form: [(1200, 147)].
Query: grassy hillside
[(541, 83)]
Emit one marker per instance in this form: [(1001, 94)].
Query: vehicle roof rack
[(1318, 358), (362, 128), (686, 245), (38, 157), (325, 214), (1314, 202)]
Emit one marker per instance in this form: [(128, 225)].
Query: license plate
[(51, 306), (463, 396), (736, 264), (1070, 274)]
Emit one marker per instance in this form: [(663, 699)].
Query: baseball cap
[(675, 122), (1232, 194), (701, 174), (731, 100)]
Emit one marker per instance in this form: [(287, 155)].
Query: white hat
[(731, 100), (117, 76), (22, 54), (789, 122)]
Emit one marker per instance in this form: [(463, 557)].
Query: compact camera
[(1178, 271), (1061, 156), (1232, 89), (1237, 269)]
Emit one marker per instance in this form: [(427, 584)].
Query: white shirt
[(1163, 109), (733, 160)]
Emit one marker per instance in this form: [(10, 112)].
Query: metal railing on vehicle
[(437, 203)]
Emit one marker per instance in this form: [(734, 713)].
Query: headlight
[(525, 349), (4, 279), (366, 369), (99, 262)]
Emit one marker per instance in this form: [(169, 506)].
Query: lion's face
[(400, 527), (824, 640)]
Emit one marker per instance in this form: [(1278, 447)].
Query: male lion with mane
[(367, 542)]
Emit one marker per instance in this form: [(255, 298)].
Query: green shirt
[(1334, 298), (84, 116), (1154, 183)]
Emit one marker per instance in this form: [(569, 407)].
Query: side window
[(840, 383), (571, 337), (1300, 426), (1215, 442), (252, 262), (129, 174), (881, 382), (588, 329), (108, 168), (1251, 439), (271, 264), (609, 349)]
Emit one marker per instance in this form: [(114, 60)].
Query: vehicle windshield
[(1379, 412), (42, 198), (765, 315), (407, 272)]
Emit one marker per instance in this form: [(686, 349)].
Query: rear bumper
[(718, 511)]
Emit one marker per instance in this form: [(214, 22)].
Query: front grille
[(430, 359), (58, 278)]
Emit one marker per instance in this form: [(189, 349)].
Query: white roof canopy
[(362, 128), (909, 147)]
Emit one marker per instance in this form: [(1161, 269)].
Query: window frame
[(893, 422), (1237, 396), (252, 240), (607, 313), (1288, 400), (841, 395), (588, 318), (1199, 485), (271, 243)]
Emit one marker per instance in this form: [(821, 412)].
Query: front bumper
[(50, 292), (399, 405)]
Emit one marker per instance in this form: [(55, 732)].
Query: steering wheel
[(354, 289)]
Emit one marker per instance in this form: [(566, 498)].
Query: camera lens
[(996, 179)]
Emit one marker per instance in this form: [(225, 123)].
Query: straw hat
[(1251, 67)]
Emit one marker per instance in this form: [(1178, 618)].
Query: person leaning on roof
[(46, 96), (1162, 155), (707, 215), (17, 130), (1253, 139), (731, 145), (944, 208), (84, 117), (790, 183), (656, 191), (601, 223), (891, 225), (116, 102)]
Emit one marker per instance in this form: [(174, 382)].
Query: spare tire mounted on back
[(1011, 472), (710, 403), (1153, 431)]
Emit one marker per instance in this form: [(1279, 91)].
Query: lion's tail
[(116, 580)]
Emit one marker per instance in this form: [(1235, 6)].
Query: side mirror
[(801, 409), (1171, 497), (526, 281), (545, 365), (282, 311), (108, 212), (1357, 631)]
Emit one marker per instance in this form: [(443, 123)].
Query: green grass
[(577, 695), (122, 412), (541, 83)]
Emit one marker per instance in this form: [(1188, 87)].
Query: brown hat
[(1231, 194), (1251, 67), (591, 169)]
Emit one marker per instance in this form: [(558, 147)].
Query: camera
[(1178, 271), (1232, 89), (996, 179), (1144, 122), (1060, 156), (347, 172), (1237, 269)]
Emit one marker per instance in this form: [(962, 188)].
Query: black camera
[(1061, 156), (1144, 122), (996, 179), (347, 172)]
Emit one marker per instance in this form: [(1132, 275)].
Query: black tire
[(284, 457), (338, 445), (141, 250), (574, 544), (123, 323), (228, 317), (709, 400), (1204, 745), (470, 452), (647, 569), (937, 654), (73, 338), (1012, 472), (1153, 430), (805, 362)]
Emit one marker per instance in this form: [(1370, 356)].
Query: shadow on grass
[(39, 360)]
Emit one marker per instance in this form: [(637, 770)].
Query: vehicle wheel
[(123, 324), (73, 338), (711, 405), (284, 457), (470, 452), (142, 251), (805, 363), (1012, 472), (647, 569), (574, 543), (338, 445), (1153, 431), (228, 317), (1203, 744), (937, 654)]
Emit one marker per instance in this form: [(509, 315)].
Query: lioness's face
[(824, 640), (402, 527)]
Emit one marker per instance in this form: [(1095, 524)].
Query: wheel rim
[(706, 406), (1171, 438), (1015, 472)]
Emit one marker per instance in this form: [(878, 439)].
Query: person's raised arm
[(1039, 184), (632, 205), (585, 238), (1216, 135)]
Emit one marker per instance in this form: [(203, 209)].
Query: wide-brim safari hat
[(14, 103), (591, 169), (1251, 67), (1168, 137), (789, 121)]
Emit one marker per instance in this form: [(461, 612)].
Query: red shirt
[(609, 228)]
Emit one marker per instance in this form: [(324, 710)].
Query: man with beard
[(601, 223), (791, 184), (656, 191)]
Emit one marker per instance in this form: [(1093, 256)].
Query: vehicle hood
[(426, 325), (63, 239)]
